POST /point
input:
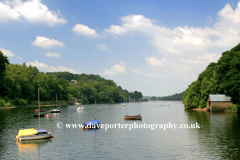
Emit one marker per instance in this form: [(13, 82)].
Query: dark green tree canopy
[(222, 77)]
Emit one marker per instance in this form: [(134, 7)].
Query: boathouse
[(218, 102)]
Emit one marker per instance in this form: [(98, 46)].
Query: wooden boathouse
[(218, 102)]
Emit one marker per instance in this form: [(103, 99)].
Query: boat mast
[(95, 110), (38, 108), (56, 100)]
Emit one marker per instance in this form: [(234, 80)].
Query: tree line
[(222, 77), (174, 97), (19, 84)]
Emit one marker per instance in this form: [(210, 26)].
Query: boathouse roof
[(219, 98)]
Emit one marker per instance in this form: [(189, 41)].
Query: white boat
[(80, 108), (77, 103), (57, 109), (33, 134)]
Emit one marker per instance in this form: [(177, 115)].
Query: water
[(217, 138)]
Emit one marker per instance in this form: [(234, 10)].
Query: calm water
[(218, 136)]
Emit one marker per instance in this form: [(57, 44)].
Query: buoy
[(51, 136), (47, 115)]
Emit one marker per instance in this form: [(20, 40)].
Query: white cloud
[(114, 70), (46, 68), (53, 54), (153, 61), (46, 42), (185, 51), (19, 57), (7, 52), (122, 63), (103, 47), (84, 30), (138, 72), (116, 30), (7, 13), (32, 10)]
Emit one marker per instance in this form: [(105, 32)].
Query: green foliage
[(218, 78), (21, 83), (175, 97)]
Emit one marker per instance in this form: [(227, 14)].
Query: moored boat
[(57, 109), (32, 134), (92, 124), (136, 117), (80, 108), (42, 110)]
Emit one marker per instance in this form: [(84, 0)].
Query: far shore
[(200, 109)]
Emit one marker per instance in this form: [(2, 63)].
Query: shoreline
[(200, 109)]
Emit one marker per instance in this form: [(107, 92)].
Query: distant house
[(218, 102), (73, 80)]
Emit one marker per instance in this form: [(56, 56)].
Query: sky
[(156, 47)]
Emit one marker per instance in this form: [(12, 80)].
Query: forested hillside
[(19, 84), (222, 77), (174, 97)]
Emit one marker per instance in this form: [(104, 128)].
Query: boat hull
[(41, 115), (34, 137), (55, 111), (137, 117)]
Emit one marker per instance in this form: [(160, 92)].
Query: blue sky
[(155, 47)]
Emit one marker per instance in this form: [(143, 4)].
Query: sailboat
[(92, 124), (81, 107), (32, 133), (57, 109), (123, 101)]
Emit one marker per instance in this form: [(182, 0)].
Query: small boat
[(136, 117), (32, 134), (123, 100), (39, 115), (92, 124), (80, 108), (57, 109), (77, 103), (38, 110), (42, 110)]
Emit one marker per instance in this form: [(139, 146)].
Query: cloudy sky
[(155, 47)]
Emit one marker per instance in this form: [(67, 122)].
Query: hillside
[(174, 97), (218, 78)]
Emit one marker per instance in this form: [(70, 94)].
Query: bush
[(20, 102)]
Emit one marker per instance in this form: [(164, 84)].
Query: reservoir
[(212, 136)]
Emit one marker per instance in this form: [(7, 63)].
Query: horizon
[(157, 47)]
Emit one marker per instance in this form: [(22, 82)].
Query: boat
[(32, 134), (136, 117), (123, 101), (77, 103), (57, 109), (80, 108), (42, 110), (39, 115), (38, 110), (92, 124)]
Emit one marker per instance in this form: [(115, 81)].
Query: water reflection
[(31, 149), (219, 135)]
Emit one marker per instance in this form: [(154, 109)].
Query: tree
[(3, 62)]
